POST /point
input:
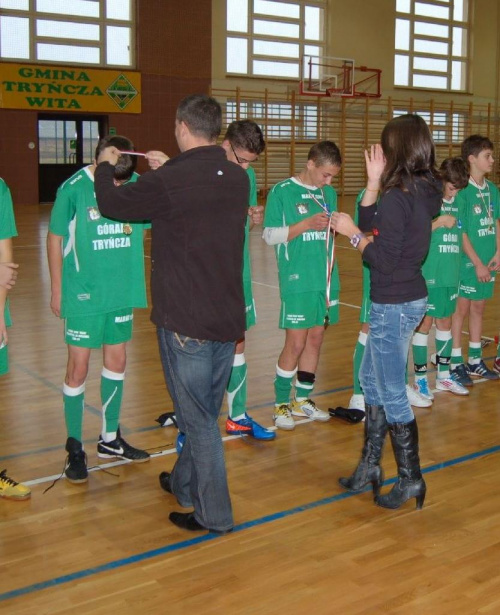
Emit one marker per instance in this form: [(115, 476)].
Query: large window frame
[(432, 44), (97, 33), (268, 38)]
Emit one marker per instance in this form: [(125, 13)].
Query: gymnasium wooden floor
[(300, 545)]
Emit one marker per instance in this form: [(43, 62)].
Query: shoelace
[(6, 479), (283, 410)]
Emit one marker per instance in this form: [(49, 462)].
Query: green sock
[(419, 346), (304, 385), (73, 400), (456, 357), (443, 353), (474, 352), (359, 351), (283, 385), (237, 388), (111, 398), (498, 351)]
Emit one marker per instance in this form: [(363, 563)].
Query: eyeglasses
[(242, 160)]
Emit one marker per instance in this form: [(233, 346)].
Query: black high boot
[(369, 470), (410, 484)]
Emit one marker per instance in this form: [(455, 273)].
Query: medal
[(127, 228)]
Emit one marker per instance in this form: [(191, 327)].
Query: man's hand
[(256, 214), (109, 154), (156, 159), (8, 275)]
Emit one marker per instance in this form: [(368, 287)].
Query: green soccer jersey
[(302, 262), (103, 263), (479, 208), (7, 227), (441, 267), (252, 201)]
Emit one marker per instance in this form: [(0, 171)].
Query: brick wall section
[(174, 58)]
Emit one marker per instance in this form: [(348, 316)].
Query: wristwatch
[(355, 239)]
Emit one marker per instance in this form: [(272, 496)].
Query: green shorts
[(250, 311), (442, 302), (4, 360), (98, 329), (306, 310), (474, 290)]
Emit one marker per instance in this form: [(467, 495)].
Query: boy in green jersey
[(243, 142), (97, 278), (9, 489), (479, 212), (441, 269), (297, 223)]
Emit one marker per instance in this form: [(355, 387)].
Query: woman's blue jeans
[(383, 369)]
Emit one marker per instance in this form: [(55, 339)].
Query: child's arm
[(5, 257), (54, 253), (482, 271), (446, 221)]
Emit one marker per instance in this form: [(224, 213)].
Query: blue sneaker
[(479, 370), (179, 442), (248, 427)]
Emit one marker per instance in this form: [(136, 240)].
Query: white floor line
[(121, 462)]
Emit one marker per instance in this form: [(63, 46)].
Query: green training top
[(301, 261), (103, 266), (7, 227)]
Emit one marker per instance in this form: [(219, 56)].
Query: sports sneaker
[(461, 375), (248, 427), (119, 448), (416, 399), (307, 408), (451, 384), (422, 387), (479, 370), (357, 402), (76, 462), (11, 490), (496, 365), (282, 417)]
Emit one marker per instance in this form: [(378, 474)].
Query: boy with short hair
[(97, 278), (479, 211), (297, 223), (9, 488), (441, 269)]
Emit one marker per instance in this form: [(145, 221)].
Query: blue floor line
[(147, 555)]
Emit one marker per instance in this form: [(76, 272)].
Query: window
[(431, 45), (267, 38), (98, 32), (445, 127)]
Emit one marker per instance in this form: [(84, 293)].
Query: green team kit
[(302, 262), (441, 267), (103, 259), (479, 208), (250, 312), (7, 231)]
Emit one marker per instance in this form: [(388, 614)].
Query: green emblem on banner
[(121, 91)]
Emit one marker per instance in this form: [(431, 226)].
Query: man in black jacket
[(197, 203)]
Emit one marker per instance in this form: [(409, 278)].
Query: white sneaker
[(416, 399), (282, 417), (357, 402), (422, 386), (451, 385), (307, 408)]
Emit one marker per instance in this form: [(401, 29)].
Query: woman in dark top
[(403, 195)]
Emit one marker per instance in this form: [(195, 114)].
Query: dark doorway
[(66, 143)]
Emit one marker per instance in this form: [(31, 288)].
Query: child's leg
[(74, 390), (112, 377), (457, 322), (237, 385)]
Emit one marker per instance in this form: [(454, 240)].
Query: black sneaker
[(461, 375), (119, 448), (479, 370), (76, 462)]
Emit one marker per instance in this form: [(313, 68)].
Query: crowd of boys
[(86, 249)]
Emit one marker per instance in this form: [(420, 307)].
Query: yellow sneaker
[(10, 490), (308, 409)]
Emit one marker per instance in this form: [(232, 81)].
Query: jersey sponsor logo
[(314, 236), (83, 297), (125, 318), (110, 243), (110, 228), (77, 335), (77, 179), (93, 213), (477, 209), (302, 208), (449, 249)]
